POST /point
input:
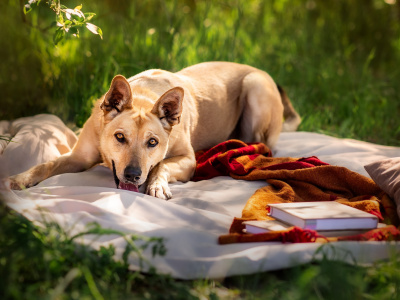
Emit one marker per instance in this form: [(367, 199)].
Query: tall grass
[(337, 60)]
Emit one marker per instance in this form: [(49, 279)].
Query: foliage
[(336, 59), (5, 138), (68, 20), (46, 262), (326, 279)]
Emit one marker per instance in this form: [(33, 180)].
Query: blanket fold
[(293, 180)]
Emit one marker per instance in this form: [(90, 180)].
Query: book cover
[(323, 215)]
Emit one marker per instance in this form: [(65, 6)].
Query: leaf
[(5, 138), (100, 32), (94, 29), (27, 8), (60, 19), (89, 16), (79, 7), (74, 31), (58, 35)]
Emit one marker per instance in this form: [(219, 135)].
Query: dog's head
[(136, 130)]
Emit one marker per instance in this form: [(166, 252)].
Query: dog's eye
[(152, 142), (120, 137)]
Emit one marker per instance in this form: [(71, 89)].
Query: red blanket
[(293, 180)]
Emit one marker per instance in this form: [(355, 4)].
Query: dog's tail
[(292, 118)]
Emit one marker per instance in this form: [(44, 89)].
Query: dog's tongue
[(128, 187)]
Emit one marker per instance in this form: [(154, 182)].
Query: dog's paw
[(159, 189), (18, 182)]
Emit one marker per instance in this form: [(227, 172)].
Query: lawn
[(337, 60)]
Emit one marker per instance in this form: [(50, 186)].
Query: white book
[(323, 215), (256, 227), (265, 226)]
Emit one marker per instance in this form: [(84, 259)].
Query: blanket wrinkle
[(292, 180)]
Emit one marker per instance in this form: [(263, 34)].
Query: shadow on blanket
[(294, 180)]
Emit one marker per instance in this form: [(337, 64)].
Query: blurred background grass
[(338, 60)]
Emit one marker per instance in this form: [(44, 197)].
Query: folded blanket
[(293, 180)]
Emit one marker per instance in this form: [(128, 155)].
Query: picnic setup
[(196, 149), (202, 224)]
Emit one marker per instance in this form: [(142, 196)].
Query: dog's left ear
[(169, 107), (118, 97)]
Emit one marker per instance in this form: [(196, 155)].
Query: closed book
[(263, 226), (323, 215)]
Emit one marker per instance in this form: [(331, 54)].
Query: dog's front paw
[(18, 182), (159, 189)]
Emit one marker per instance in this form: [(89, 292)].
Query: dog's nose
[(132, 173)]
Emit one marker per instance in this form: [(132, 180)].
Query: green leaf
[(27, 8), (74, 31), (5, 138), (58, 35), (60, 19), (100, 32), (89, 16)]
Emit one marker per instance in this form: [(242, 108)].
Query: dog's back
[(237, 101)]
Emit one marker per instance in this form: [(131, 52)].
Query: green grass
[(337, 60)]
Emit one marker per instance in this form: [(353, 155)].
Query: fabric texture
[(386, 174), (35, 140)]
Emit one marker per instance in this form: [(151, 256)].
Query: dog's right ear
[(118, 97)]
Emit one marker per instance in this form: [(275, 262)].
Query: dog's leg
[(178, 168), (68, 163), (263, 110), (84, 155)]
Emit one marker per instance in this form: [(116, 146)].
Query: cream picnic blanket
[(191, 221)]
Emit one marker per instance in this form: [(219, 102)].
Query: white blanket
[(192, 220)]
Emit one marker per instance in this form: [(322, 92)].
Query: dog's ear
[(118, 97), (169, 107)]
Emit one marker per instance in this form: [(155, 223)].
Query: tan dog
[(147, 128)]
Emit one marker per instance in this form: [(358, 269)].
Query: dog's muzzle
[(131, 174)]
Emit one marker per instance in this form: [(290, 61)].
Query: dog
[(147, 128)]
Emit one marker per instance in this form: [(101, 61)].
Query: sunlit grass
[(336, 59)]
